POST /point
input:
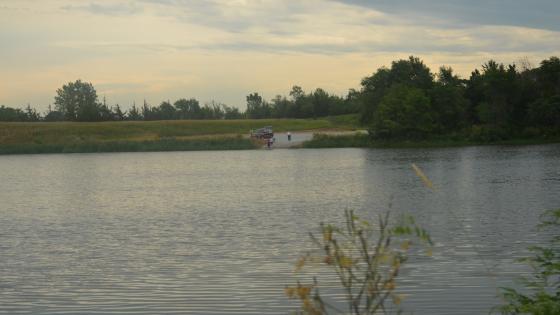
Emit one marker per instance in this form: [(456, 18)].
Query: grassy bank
[(169, 144), (135, 136), (363, 141)]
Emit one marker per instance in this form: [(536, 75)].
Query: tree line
[(497, 102), (78, 101), (299, 104), (405, 100)]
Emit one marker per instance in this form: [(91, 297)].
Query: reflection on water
[(218, 232)]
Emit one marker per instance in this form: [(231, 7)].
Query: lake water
[(219, 232)]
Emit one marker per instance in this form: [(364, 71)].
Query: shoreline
[(161, 145), (363, 141), (148, 136), (309, 139)]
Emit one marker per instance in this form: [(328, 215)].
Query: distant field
[(149, 135)]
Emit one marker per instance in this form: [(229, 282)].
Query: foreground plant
[(544, 287), (366, 259)]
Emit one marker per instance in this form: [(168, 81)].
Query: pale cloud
[(124, 8), (225, 49)]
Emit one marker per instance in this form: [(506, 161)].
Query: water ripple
[(218, 233)]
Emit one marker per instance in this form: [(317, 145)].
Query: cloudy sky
[(223, 50)]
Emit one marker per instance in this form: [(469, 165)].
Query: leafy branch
[(366, 259), (544, 286)]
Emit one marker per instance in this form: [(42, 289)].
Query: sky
[(223, 50)]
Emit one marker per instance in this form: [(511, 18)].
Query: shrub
[(366, 259), (543, 297)]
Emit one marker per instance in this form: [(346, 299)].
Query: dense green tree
[(296, 93), (187, 109), (374, 88), (280, 106), (499, 94), (348, 105), (496, 102), (404, 112), (474, 92), (77, 101), (12, 114), (166, 111), (16, 114), (352, 103), (147, 111), (231, 112), (446, 77), (411, 72), (104, 112), (212, 110), (545, 112), (257, 107), (54, 116), (118, 113), (301, 105), (449, 104), (321, 101), (548, 76), (527, 92), (134, 113), (32, 114)]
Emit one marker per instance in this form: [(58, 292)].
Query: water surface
[(219, 232)]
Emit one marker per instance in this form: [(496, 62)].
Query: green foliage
[(366, 259), (401, 103), (338, 141), (344, 106), (545, 112), (163, 144), (499, 93), (404, 112), (488, 133), (78, 134), (12, 114), (409, 73), (166, 111), (544, 287), (16, 114), (412, 72), (188, 109), (496, 103), (134, 113), (78, 101), (54, 116), (348, 121), (232, 112), (318, 103), (118, 113), (257, 107), (548, 77), (449, 104)]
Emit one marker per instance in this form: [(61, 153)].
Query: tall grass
[(166, 144), (64, 132), (168, 135), (338, 141)]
